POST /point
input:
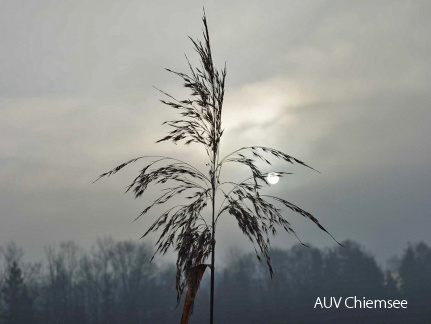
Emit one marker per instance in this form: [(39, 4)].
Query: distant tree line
[(115, 283)]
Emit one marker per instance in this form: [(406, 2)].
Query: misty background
[(340, 85)]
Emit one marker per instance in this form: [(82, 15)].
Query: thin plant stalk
[(212, 258)]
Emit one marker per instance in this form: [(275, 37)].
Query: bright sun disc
[(273, 178)]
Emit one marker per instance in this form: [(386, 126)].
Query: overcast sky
[(341, 85)]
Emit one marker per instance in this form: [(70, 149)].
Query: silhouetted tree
[(415, 272), (294, 288), (18, 304), (351, 270), (238, 293), (63, 268)]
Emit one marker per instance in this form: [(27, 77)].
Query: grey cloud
[(342, 85)]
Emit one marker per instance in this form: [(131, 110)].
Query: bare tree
[(184, 228)]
